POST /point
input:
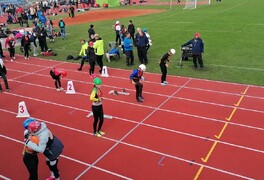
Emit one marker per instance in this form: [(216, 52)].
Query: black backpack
[(69, 57)]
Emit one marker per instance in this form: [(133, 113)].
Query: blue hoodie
[(128, 44)]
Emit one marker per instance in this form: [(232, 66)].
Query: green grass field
[(232, 31)]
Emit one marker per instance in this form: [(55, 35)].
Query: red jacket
[(10, 43)]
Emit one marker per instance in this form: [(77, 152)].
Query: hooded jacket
[(48, 144), (99, 47)]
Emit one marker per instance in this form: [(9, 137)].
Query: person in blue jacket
[(128, 46), (197, 49), (135, 78)]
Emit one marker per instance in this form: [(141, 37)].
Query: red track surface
[(191, 129)]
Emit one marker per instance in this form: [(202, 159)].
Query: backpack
[(69, 57)]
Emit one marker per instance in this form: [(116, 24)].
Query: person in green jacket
[(83, 53), (99, 51)]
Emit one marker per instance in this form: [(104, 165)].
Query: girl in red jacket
[(57, 74)]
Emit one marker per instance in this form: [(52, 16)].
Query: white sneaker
[(58, 89), (61, 89), (35, 55), (25, 58), (12, 60), (163, 84), (166, 82)]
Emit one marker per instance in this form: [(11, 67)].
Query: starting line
[(105, 116)]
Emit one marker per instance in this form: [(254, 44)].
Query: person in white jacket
[(48, 144)]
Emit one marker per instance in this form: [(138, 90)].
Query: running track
[(191, 129)]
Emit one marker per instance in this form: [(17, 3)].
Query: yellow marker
[(237, 104), (198, 173), (220, 134), (231, 115), (245, 90), (209, 153)]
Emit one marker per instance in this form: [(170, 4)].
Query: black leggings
[(56, 79), (163, 69), (31, 162), (5, 81), (53, 167), (139, 88), (92, 65), (99, 59), (11, 52), (82, 62), (98, 114), (26, 50)]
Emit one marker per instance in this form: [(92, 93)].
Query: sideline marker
[(104, 72), (22, 110), (70, 88), (105, 116)]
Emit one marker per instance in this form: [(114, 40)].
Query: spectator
[(197, 50), (117, 29), (62, 28), (71, 13), (33, 39), (91, 58), (24, 19), (91, 31), (49, 30), (99, 51), (141, 42), (83, 53), (128, 46), (25, 43), (42, 40), (131, 30), (10, 44)]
